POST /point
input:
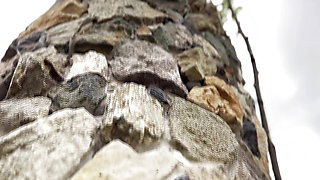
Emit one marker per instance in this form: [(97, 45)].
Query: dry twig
[(271, 147)]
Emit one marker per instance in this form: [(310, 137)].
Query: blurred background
[(284, 36), (285, 40)]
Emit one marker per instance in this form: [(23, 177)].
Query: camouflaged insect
[(159, 94)]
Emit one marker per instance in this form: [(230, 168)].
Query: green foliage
[(224, 10)]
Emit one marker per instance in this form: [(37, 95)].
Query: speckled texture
[(133, 115), (118, 59), (118, 161), (196, 57), (37, 72), (91, 62), (85, 90), (60, 35), (173, 37), (148, 64), (201, 135), (17, 112), (218, 97), (49, 147), (130, 9), (102, 37)]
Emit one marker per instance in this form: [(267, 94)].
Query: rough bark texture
[(127, 89)]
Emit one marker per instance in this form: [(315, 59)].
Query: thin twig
[(271, 147)]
